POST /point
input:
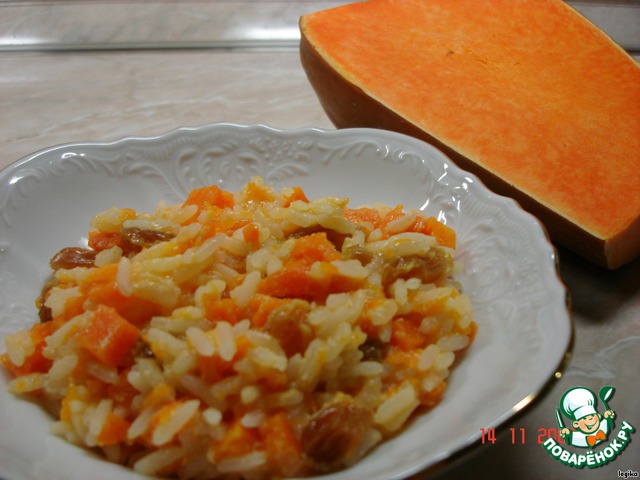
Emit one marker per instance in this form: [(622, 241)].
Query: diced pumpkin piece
[(431, 226), (293, 281), (296, 194), (406, 334), (114, 430), (109, 337), (314, 248), (35, 361), (284, 453), (100, 287), (210, 196), (238, 440)]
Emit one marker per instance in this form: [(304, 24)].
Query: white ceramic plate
[(47, 200)]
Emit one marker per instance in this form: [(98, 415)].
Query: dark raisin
[(287, 323), (72, 257), (331, 437), (428, 267), (358, 252), (373, 349), (144, 237)]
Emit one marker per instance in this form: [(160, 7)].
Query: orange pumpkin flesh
[(530, 96)]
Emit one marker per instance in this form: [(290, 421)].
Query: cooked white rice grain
[(253, 419), (123, 277), (249, 394), (336, 223), (180, 416), (108, 221), (200, 389), (212, 289), (141, 423), (20, 345), (102, 372), (164, 345), (357, 239), (369, 440), (212, 416), (311, 365), (383, 312), (226, 387), (178, 215), (385, 333), (444, 360), (433, 379), (57, 340), (58, 297), (109, 256), (98, 416), (158, 250), (258, 260), (400, 294), (394, 411), (145, 374), (364, 369), (273, 265), (454, 342), (267, 358), (149, 223), (241, 328), (201, 342), (183, 364), (27, 383), (286, 399), (235, 246), (71, 275), (428, 357), (401, 224), (225, 341), (64, 430), (156, 288), (59, 372), (248, 462), (430, 296), (181, 320), (154, 462), (374, 236), (247, 289), (465, 310)]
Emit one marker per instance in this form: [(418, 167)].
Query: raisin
[(72, 257), (428, 268), (287, 323), (360, 253), (135, 239), (373, 349), (331, 437)]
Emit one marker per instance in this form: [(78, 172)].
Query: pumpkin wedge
[(530, 96)]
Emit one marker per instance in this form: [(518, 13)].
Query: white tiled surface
[(97, 93)]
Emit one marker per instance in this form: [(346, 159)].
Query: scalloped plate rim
[(505, 202)]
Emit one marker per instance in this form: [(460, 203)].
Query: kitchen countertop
[(59, 90)]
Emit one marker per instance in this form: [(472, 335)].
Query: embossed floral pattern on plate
[(47, 200)]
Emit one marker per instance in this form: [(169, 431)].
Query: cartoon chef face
[(579, 404), (588, 424)]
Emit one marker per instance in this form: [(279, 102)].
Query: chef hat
[(578, 403)]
